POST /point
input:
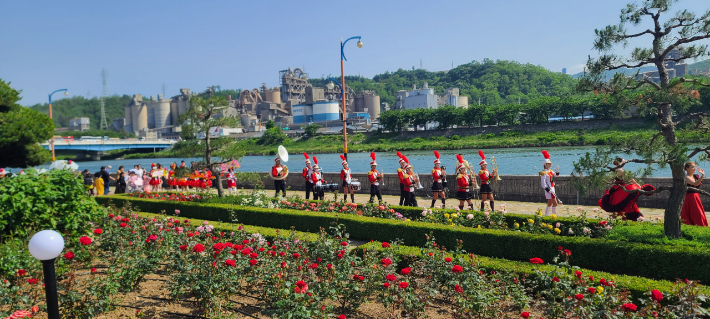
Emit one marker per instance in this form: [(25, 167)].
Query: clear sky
[(48, 45)]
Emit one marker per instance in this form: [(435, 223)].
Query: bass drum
[(355, 186)]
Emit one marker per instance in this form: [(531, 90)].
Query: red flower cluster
[(458, 289), (405, 271), (579, 296), (32, 281), (85, 240), (656, 295), (301, 287), (385, 245), (403, 285), (69, 255), (198, 248), (386, 262), (21, 272), (525, 314), (629, 307), (457, 269), (98, 231), (536, 260)]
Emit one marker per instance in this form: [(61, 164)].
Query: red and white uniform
[(317, 178), (437, 175), (345, 176), (154, 180), (409, 182), (278, 172), (307, 172), (547, 180), (374, 177), (464, 182), (231, 180), (485, 176)]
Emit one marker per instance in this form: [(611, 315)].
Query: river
[(511, 161)]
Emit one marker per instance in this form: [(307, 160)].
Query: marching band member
[(410, 181), (486, 176), (231, 181), (375, 178), (307, 172), (400, 174), (464, 183), (279, 173), (154, 181), (318, 182), (345, 175), (194, 179), (437, 187), (547, 181)]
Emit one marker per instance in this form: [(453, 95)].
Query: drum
[(355, 186), (327, 187)]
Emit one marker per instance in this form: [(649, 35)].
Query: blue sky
[(49, 45)]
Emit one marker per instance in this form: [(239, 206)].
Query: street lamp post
[(342, 86), (51, 141), (46, 246)]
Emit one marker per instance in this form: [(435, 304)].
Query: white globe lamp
[(46, 245)]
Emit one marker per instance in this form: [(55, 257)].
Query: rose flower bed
[(318, 278), (614, 256)]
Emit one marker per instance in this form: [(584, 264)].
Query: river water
[(511, 161)]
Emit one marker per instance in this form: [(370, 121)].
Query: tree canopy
[(21, 131)]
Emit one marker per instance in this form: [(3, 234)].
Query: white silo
[(326, 111), (372, 103), (174, 112), (161, 112), (139, 112), (128, 124), (151, 112)]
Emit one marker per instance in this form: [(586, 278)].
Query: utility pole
[(103, 125)]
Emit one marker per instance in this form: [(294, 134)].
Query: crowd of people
[(159, 178)]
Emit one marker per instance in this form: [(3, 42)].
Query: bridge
[(95, 148)]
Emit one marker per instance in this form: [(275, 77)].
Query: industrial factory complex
[(294, 103)]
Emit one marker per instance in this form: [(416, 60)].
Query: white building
[(422, 98), (79, 124)]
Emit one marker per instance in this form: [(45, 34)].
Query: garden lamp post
[(342, 86), (47, 245), (51, 141)]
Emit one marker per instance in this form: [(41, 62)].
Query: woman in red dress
[(616, 200), (693, 212)]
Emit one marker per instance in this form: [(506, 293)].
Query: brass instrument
[(382, 178), (419, 183), (495, 168), (474, 181)]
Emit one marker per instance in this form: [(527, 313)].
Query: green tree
[(679, 37), (311, 130), (21, 131), (215, 151), (270, 124)]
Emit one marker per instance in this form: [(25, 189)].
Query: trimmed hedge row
[(636, 285), (652, 261)]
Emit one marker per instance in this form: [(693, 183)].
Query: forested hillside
[(66, 109), (494, 82)]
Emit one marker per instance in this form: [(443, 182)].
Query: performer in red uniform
[(307, 172), (616, 200), (375, 178), (318, 182), (547, 181), (693, 212), (464, 182), (486, 177), (410, 181), (438, 175), (172, 181), (400, 172), (279, 173), (346, 176), (154, 181)]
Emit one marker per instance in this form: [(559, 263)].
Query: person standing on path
[(547, 181), (106, 177), (120, 181), (693, 212), (486, 177), (307, 172), (375, 178), (400, 174), (346, 176), (99, 182), (279, 173), (437, 186)]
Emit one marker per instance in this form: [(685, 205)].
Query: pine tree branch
[(684, 41), (624, 162), (692, 115), (698, 150), (624, 65), (697, 190), (648, 31)]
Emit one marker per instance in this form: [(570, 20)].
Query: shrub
[(455, 138), (54, 200), (489, 136), (417, 140)]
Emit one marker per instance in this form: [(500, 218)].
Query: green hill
[(66, 109)]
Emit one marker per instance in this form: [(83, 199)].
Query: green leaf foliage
[(54, 200), (21, 129)]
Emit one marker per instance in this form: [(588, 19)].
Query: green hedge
[(652, 261)]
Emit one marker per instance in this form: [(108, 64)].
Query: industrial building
[(156, 115), (118, 123), (675, 69), (426, 98), (80, 124)]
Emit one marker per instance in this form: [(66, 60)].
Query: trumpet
[(473, 177), (495, 167), (419, 183)]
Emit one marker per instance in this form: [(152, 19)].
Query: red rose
[(198, 248), (457, 269), (386, 285), (385, 245), (22, 272), (123, 225), (403, 285), (253, 255), (568, 252), (591, 278), (405, 271), (386, 262), (93, 270), (230, 262), (296, 255), (341, 317), (555, 279), (69, 255), (343, 244), (629, 307), (592, 290), (282, 254), (603, 222), (447, 259), (183, 247), (361, 278), (98, 231), (579, 296), (253, 262), (301, 287), (536, 260), (110, 215), (578, 274), (525, 314), (152, 238), (329, 266), (656, 295), (313, 266), (458, 289), (391, 277), (32, 281), (560, 248), (340, 256)]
